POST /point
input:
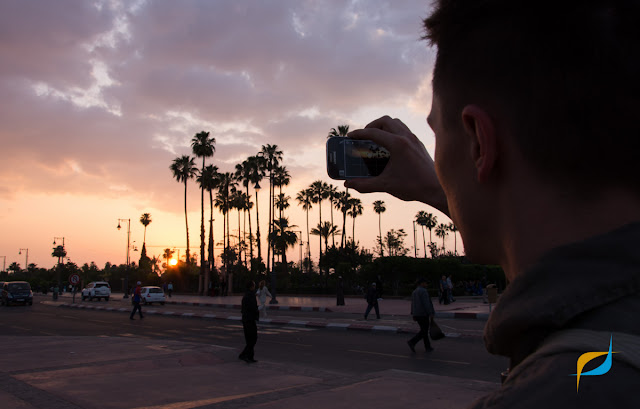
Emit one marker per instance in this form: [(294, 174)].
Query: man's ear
[(481, 130)]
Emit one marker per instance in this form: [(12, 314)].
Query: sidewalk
[(306, 311)]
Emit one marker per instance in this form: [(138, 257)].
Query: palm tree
[(183, 169), (282, 202), (245, 174), (355, 210), (255, 165), (226, 183), (453, 229), (318, 194), (441, 231), (272, 157), (167, 255), (342, 205), (323, 231), (342, 130), (304, 198), (238, 201), (281, 238), (281, 177), (332, 192), (145, 219), (379, 207), (203, 147), (430, 222), (208, 180)]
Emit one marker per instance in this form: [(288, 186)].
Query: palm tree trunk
[(308, 248), (250, 233), (258, 229), (186, 222), (211, 262), (424, 243), (144, 239), (201, 276), (239, 241), (269, 230), (380, 236), (333, 234), (319, 237)]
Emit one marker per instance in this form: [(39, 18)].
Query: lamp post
[(126, 279), (301, 243), (26, 261), (415, 249)]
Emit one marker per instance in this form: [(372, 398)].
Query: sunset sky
[(98, 98)]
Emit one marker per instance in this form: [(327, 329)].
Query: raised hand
[(410, 173)]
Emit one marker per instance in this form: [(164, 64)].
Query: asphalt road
[(329, 350)]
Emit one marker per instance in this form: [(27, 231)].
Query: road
[(351, 352)]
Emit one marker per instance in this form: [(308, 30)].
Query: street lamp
[(26, 261), (415, 249), (126, 279), (301, 243)]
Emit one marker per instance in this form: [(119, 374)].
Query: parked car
[(152, 294), (97, 290), (16, 292)]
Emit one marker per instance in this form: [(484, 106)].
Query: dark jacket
[(250, 307), (591, 285), (372, 295), (421, 305)]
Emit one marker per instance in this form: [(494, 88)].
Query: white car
[(97, 290), (152, 294)]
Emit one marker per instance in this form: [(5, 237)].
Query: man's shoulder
[(550, 382)]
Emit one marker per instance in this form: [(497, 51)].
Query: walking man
[(249, 322), (136, 298), (422, 312), (372, 301), (170, 288)]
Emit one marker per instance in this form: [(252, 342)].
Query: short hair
[(565, 75), (250, 284)]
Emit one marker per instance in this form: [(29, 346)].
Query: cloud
[(99, 97)]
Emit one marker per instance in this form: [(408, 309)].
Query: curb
[(268, 321), (441, 314), (237, 307)]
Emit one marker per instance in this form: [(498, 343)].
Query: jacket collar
[(565, 283)]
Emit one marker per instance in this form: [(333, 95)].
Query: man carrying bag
[(422, 312)]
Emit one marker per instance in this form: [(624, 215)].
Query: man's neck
[(543, 221)]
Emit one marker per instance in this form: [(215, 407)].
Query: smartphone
[(351, 158)]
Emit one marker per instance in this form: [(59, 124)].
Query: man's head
[(421, 282), (534, 101), (561, 77), (251, 285)]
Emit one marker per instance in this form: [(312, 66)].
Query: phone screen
[(351, 158)]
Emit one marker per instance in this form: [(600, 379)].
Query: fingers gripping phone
[(351, 158)]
